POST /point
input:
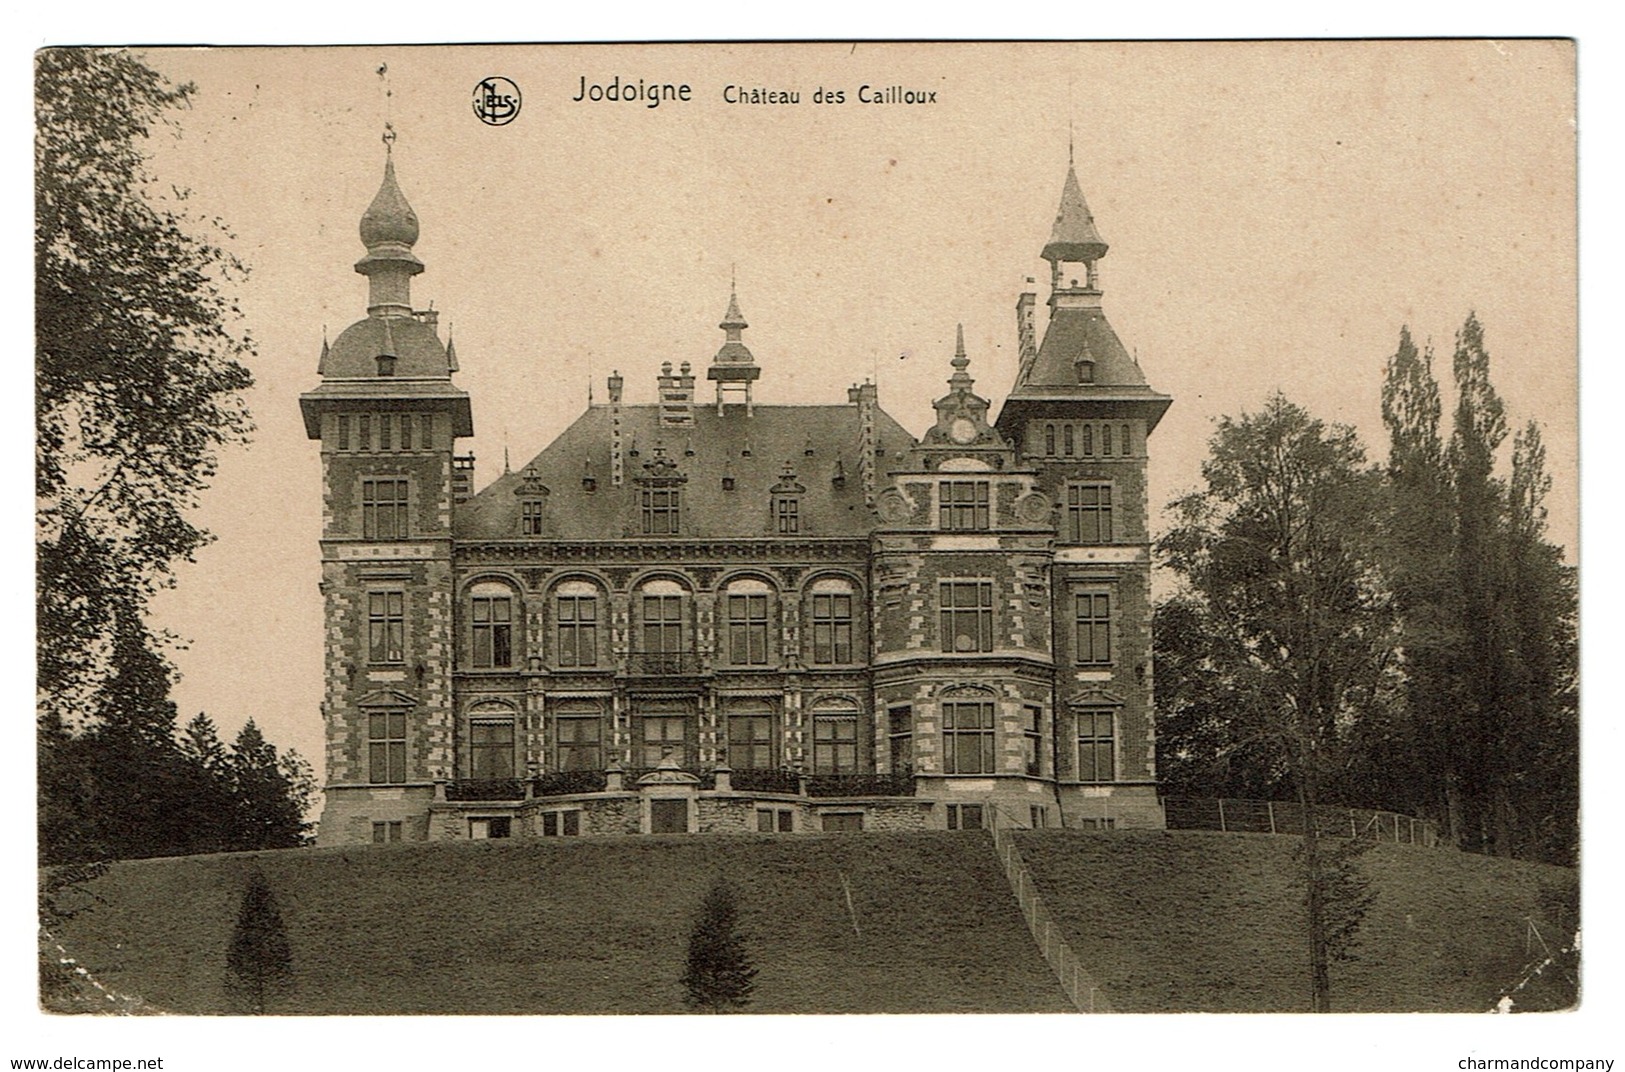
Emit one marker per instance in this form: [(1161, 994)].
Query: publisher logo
[(496, 101)]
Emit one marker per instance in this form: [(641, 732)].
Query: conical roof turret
[(1074, 237)]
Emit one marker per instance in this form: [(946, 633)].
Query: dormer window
[(786, 514), (1086, 371), (530, 517), (962, 505), (660, 511)]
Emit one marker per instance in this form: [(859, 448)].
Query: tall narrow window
[(1089, 513), (386, 627), (1032, 721), (530, 517), (1106, 440), (664, 735), (492, 622), (660, 511), (1095, 758), (787, 515), (1125, 442), (750, 741), (386, 424), (967, 615), (967, 730), (901, 737), (363, 430), (747, 630), (835, 744), (1067, 437), (1088, 439), (1094, 627), (386, 747), (384, 508), (578, 630), (406, 431), (962, 505), (580, 741), (344, 432), (490, 748), (832, 628), (662, 624), (1049, 441), (428, 431)]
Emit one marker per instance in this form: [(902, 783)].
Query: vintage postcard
[(809, 528)]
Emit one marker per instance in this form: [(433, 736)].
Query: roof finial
[(960, 361), (505, 468), (389, 138), (1069, 160)]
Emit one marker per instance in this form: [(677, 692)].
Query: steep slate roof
[(1070, 332), (1074, 236), (775, 434), (418, 350)]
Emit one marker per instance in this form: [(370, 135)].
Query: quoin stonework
[(716, 614)]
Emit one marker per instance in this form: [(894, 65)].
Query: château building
[(719, 614)]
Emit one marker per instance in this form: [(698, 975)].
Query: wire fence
[(1079, 985), (1231, 815)]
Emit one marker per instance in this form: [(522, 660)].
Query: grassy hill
[(1166, 921), (1208, 922)]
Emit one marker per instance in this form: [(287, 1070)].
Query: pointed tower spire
[(1074, 236), (389, 229), (451, 349), (960, 381), (734, 367)]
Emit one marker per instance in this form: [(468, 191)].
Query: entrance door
[(668, 816)]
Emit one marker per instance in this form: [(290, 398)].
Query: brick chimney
[(676, 397)]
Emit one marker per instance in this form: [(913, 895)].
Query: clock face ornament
[(962, 431)]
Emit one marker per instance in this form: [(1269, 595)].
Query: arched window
[(1049, 440), (1088, 439), (835, 737), (490, 741), (832, 615), (491, 618), (575, 617), (748, 605), (1066, 438), (1106, 440)]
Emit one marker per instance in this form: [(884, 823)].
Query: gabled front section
[(719, 615)]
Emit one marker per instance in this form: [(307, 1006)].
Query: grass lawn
[(1192, 921)]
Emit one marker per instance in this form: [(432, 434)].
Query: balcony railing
[(566, 783), (766, 780), (662, 663), (485, 789), (860, 785)]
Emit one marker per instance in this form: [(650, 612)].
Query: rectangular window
[(660, 511), (561, 823), (663, 734), (383, 508), (406, 431), (962, 505), (1095, 755), (1032, 720), (964, 817), (967, 731), (490, 748), (382, 832), (493, 631), (363, 430), (835, 744), (386, 627), (578, 631), (832, 628), (662, 625), (530, 517), (1040, 816), (386, 425), (1094, 627), (750, 742), (787, 515), (480, 829), (580, 739), (344, 432), (386, 746), (901, 736), (1089, 513), (775, 820), (967, 615), (747, 630)]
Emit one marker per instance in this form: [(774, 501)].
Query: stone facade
[(737, 617)]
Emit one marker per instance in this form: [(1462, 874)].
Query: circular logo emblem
[(496, 101)]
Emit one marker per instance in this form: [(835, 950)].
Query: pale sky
[(1275, 213)]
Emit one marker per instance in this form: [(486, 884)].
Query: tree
[(719, 977), (1488, 611), (138, 372), (270, 793), (1295, 630), (259, 961)]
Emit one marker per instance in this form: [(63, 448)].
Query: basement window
[(496, 827)]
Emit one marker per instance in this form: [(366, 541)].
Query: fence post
[(1270, 804), (1221, 816)]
